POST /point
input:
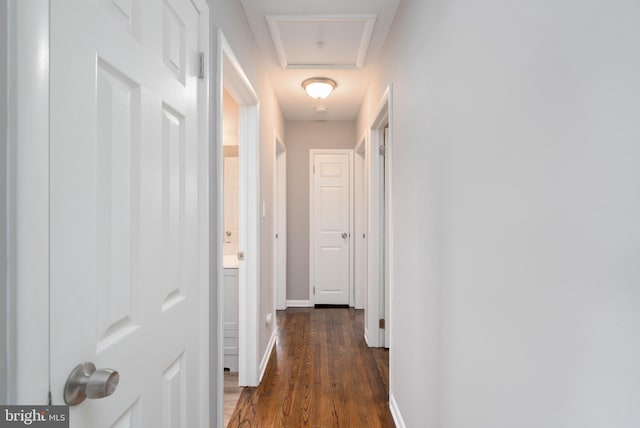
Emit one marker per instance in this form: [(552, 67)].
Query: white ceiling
[(339, 39)]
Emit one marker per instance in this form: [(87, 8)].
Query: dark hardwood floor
[(321, 374)]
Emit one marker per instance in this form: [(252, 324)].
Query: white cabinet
[(231, 319)]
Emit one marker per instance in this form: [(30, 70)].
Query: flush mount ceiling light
[(319, 87)]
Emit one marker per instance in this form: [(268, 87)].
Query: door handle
[(344, 235), (87, 382)]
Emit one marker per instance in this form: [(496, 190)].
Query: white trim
[(299, 304), (312, 154), (236, 82), (206, 358), (279, 223), (352, 234), (395, 412), (28, 202), (264, 362)]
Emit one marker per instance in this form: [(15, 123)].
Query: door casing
[(232, 77)]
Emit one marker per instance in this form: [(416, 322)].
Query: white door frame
[(375, 301), (280, 222), (232, 77), (312, 154), (28, 206), (360, 223)]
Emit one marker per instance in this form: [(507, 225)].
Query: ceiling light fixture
[(319, 87)]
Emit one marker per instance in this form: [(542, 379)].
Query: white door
[(360, 227), (330, 227), (384, 233), (281, 229), (125, 208)]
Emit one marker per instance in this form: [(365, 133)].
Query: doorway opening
[(237, 220)]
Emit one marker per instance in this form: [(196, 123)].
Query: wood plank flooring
[(321, 374), (231, 395)]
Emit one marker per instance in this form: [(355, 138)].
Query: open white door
[(379, 295), (280, 223), (360, 225), (385, 232), (127, 208), (330, 224)]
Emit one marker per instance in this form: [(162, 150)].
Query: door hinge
[(381, 323), (314, 291), (382, 149), (201, 65), (276, 236), (49, 401)]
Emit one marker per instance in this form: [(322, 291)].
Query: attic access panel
[(321, 41)]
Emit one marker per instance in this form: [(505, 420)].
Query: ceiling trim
[(368, 20)]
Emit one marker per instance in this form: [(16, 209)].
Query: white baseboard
[(267, 355), (395, 412), (299, 304), (366, 336)]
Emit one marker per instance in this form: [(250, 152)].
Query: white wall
[(516, 233), (302, 136)]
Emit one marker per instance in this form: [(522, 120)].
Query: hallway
[(494, 230), (321, 374)]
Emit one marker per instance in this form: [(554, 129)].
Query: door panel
[(386, 237), (125, 213), (331, 239), (281, 231)]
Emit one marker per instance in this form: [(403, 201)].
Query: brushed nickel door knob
[(85, 381)]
